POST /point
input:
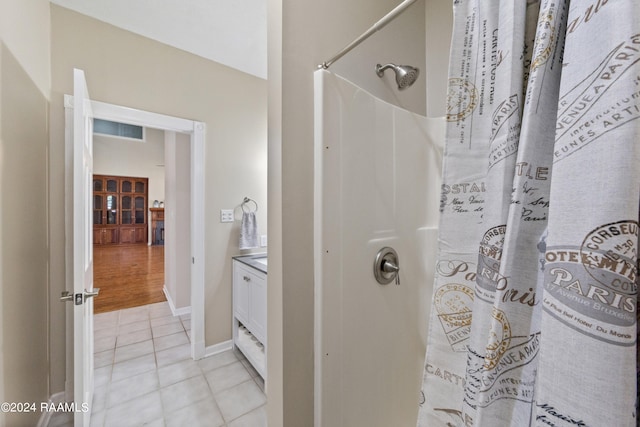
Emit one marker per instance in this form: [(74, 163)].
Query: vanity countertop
[(257, 261)]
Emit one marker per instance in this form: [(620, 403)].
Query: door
[(241, 281), (82, 250), (258, 306), (377, 184)]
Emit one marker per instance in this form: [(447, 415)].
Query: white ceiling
[(233, 33)]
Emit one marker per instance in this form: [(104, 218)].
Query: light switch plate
[(226, 215), (263, 240)]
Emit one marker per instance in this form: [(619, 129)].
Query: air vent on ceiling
[(120, 130)]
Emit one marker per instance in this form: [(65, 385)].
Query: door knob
[(386, 266), (79, 298), (92, 293)]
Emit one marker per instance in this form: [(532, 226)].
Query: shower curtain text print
[(534, 318)]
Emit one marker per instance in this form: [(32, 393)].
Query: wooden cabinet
[(133, 235), (119, 209), (105, 235), (250, 313)]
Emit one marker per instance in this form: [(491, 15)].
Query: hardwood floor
[(128, 276)]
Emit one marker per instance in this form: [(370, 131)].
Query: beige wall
[(130, 70), (25, 29), (24, 94), (304, 33)]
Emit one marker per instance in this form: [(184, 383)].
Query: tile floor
[(144, 375)]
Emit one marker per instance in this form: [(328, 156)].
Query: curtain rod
[(376, 27)]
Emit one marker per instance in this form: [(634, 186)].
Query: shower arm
[(375, 28)]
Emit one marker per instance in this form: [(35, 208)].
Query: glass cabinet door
[(112, 185), (112, 209), (126, 186), (98, 208), (98, 184), (126, 210), (140, 210), (140, 187)]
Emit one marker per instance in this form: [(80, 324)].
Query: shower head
[(406, 75)]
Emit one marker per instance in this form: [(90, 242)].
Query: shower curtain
[(534, 319)]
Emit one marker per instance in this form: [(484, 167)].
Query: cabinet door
[(140, 210), (258, 307), (127, 235), (98, 236), (140, 234), (112, 209), (126, 204), (98, 209), (110, 236), (126, 185), (241, 283), (140, 186), (98, 184), (111, 185), (105, 236)]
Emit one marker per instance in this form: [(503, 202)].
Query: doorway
[(195, 132), (128, 272)]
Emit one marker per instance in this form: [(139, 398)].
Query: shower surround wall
[(378, 171)]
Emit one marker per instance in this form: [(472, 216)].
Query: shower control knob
[(386, 267), (389, 267)]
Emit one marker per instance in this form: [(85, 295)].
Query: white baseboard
[(218, 348), (176, 311), (182, 311), (45, 417)]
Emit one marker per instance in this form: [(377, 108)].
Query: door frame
[(197, 132)]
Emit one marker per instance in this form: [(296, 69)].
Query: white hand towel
[(249, 231)]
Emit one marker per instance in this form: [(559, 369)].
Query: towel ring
[(245, 202)]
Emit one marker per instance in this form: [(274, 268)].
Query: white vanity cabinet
[(250, 311)]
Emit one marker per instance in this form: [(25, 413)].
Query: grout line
[(107, 385)]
